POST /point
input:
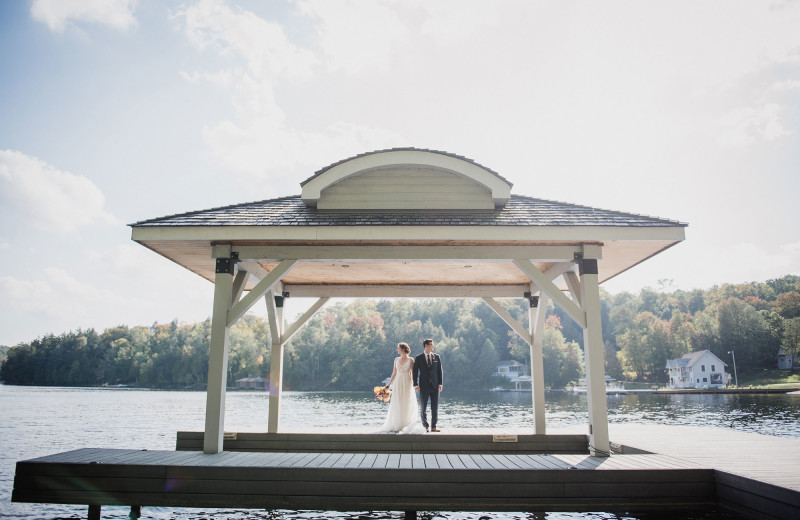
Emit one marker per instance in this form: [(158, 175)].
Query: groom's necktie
[(428, 358)]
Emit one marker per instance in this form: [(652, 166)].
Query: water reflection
[(770, 414)]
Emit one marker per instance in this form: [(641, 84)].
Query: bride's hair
[(404, 347)]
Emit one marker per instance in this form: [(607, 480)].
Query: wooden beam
[(302, 320), (259, 290), (574, 286), (230, 234), (549, 288), (406, 291), (506, 317), (419, 253), (558, 269), (238, 286), (255, 269)]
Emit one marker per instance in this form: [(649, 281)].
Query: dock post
[(411, 515), (275, 318), (218, 355), (136, 512), (536, 325), (94, 512), (595, 361)]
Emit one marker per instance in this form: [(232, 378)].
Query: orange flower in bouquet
[(382, 393)]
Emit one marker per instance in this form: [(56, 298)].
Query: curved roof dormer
[(406, 178)]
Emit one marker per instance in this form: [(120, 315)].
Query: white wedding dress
[(403, 414)]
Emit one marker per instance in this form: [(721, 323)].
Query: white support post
[(276, 364), (536, 324), (595, 362), (218, 357)]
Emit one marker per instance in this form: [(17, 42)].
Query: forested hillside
[(351, 346)]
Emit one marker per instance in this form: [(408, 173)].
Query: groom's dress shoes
[(435, 429)]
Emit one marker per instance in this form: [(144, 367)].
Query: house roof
[(509, 363), (689, 360), (519, 211)]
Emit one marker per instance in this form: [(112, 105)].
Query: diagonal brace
[(574, 286), (274, 276), (549, 288), (295, 327), (506, 317)]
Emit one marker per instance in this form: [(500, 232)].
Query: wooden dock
[(475, 470), (363, 481), (756, 475)]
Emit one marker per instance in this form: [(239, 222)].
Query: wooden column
[(536, 324), (595, 362), (218, 356), (275, 317)]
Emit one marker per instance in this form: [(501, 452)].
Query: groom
[(428, 382)]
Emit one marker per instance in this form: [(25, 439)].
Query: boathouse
[(409, 223)]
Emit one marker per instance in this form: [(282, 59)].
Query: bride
[(403, 414)]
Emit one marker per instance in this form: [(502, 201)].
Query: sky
[(115, 111)]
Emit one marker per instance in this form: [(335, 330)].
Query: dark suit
[(428, 379)]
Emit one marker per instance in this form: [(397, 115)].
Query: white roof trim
[(499, 188)]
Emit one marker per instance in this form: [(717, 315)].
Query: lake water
[(36, 421)]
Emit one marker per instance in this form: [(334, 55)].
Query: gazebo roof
[(519, 211), (408, 217)]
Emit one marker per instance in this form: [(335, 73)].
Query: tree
[(745, 331), (791, 339), (788, 305)]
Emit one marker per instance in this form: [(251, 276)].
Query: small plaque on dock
[(504, 438), (229, 436)]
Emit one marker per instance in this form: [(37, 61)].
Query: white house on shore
[(515, 372), (697, 370)]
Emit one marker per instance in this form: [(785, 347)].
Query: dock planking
[(357, 481)]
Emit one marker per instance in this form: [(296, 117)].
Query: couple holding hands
[(422, 374)]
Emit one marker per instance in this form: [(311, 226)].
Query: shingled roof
[(519, 211)]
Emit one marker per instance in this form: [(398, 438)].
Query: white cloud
[(222, 77), (128, 284), (786, 85), (239, 34), (697, 265), (746, 125), (58, 14), (259, 141), (355, 36), (49, 198)]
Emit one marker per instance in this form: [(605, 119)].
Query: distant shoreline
[(664, 391)]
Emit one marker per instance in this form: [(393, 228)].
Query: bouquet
[(382, 393)]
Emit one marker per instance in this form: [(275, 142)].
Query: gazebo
[(409, 223)]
